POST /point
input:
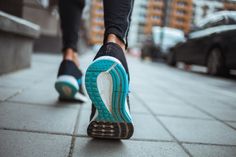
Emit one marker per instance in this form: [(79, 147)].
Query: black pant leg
[(117, 16), (70, 13)]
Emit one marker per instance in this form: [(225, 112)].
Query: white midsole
[(108, 58), (127, 109), (79, 96), (68, 79), (105, 88)]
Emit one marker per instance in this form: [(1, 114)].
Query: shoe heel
[(66, 86), (110, 130), (117, 123)]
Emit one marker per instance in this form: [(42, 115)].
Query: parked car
[(152, 47), (212, 44), (171, 36), (150, 50)]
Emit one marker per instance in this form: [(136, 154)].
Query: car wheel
[(215, 63), (171, 61), (143, 54)]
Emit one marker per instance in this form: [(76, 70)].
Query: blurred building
[(146, 14), (154, 14), (180, 14), (229, 4), (96, 23), (149, 13), (138, 22)]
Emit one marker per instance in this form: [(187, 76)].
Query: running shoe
[(69, 82), (107, 84)]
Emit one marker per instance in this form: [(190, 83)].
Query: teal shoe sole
[(116, 124), (65, 90)]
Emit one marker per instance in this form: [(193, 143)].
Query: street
[(176, 114)]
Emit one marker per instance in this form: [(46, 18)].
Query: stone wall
[(16, 39)]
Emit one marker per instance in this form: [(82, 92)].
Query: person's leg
[(70, 14), (117, 16), (110, 117), (69, 80)]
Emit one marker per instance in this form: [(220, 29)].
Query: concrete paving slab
[(36, 72), (227, 113), (159, 99), (25, 144), (44, 96), (210, 150), (167, 100), (5, 92), (200, 131), (26, 78), (86, 147), (136, 106), (156, 95), (207, 102), (212, 105), (146, 127), (224, 92), (28, 74), (37, 118), (169, 92), (233, 124), (19, 83), (178, 110), (47, 58), (171, 106)]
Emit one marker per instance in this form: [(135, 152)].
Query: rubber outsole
[(110, 130), (116, 124), (65, 90)]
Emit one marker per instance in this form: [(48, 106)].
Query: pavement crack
[(198, 108), (36, 131), (73, 140), (162, 124), (17, 93)]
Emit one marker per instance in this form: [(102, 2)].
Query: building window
[(156, 17), (180, 12), (180, 20), (182, 4)]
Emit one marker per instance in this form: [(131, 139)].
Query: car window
[(231, 20), (214, 23), (222, 18)]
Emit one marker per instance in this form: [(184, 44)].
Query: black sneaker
[(107, 84), (69, 82)]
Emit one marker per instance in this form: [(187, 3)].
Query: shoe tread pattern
[(119, 120)]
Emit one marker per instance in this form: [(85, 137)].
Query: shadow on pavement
[(96, 147), (230, 77), (65, 102)]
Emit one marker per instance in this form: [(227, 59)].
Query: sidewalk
[(176, 114)]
